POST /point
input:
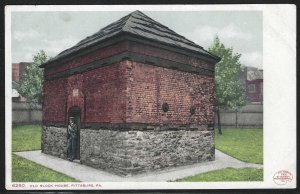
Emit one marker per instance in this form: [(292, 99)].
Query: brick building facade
[(143, 97), (252, 80), (18, 69)]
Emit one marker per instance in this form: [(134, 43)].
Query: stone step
[(77, 161)]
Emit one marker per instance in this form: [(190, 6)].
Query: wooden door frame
[(75, 112)]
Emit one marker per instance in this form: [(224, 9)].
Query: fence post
[(29, 115), (236, 118)]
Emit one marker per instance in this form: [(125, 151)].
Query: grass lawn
[(227, 174), (26, 171), (26, 137), (243, 144)]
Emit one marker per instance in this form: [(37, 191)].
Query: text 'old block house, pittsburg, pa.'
[(142, 97)]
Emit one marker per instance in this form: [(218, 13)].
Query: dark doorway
[(75, 112)]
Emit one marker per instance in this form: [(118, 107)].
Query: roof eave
[(215, 58), (211, 56)]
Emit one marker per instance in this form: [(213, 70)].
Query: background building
[(252, 80), (18, 69)]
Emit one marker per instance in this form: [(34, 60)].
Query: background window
[(251, 88)]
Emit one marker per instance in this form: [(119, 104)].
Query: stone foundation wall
[(134, 151), (54, 141)]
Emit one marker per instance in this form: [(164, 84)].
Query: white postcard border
[(279, 63)]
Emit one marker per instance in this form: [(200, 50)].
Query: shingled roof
[(254, 75), (138, 24)]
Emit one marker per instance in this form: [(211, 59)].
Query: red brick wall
[(129, 91), (15, 72), (257, 95), (18, 69), (169, 55), (105, 94), (94, 56), (148, 87), (54, 101), (99, 93), (75, 93), (131, 46)]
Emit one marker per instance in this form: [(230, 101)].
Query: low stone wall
[(134, 151)]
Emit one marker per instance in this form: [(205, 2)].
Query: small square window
[(251, 88)]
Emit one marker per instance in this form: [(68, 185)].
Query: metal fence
[(249, 116)]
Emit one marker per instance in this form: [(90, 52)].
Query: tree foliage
[(229, 91), (32, 79)]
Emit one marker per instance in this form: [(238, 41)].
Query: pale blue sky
[(57, 31)]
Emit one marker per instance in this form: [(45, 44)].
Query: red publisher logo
[(282, 177)]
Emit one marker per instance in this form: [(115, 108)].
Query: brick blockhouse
[(142, 96)]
